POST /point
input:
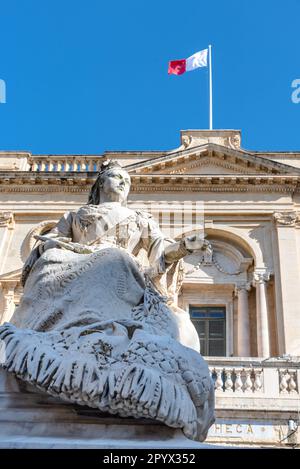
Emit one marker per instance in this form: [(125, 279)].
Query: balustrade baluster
[(50, 165), (35, 166), (257, 381), (283, 383), (248, 382), (219, 380), (238, 385), (77, 165), (292, 387), (228, 381)]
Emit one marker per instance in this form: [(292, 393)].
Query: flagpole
[(210, 89)]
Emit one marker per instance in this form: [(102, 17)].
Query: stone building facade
[(242, 293)]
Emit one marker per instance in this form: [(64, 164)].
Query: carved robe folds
[(93, 328)]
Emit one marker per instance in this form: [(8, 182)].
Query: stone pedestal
[(29, 419)]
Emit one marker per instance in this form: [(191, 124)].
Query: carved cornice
[(234, 186), (208, 161), (81, 182), (6, 220), (183, 155), (290, 218)]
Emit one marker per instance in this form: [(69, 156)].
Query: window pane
[(198, 314), (216, 348), (200, 328), (207, 312), (203, 347), (216, 329), (209, 322), (216, 315)]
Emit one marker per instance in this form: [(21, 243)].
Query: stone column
[(263, 342), (243, 343), (6, 223), (287, 280), (8, 289)]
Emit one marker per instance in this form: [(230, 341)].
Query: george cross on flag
[(178, 67)]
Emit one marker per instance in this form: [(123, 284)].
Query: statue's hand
[(50, 243), (195, 242), (177, 250)]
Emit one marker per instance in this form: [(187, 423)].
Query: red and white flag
[(178, 67)]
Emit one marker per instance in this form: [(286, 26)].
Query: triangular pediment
[(211, 159)]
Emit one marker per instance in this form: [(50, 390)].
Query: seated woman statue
[(97, 327)]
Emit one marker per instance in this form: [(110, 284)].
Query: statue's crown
[(109, 164)]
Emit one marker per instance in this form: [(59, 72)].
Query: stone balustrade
[(53, 163), (238, 380), (273, 377), (257, 401)]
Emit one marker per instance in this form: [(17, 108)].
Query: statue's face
[(116, 184)]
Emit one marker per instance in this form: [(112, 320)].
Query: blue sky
[(89, 76)]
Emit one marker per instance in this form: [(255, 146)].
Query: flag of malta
[(178, 67)]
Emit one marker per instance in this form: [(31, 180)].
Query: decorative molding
[(234, 141), (196, 138), (223, 271), (290, 218), (211, 161), (186, 141), (205, 258), (6, 220), (233, 253), (209, 258), (214, 151), (233, 187), (242, 286), (261, 277), (81, 182)]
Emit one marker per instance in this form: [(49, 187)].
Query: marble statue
[(96, 324)]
